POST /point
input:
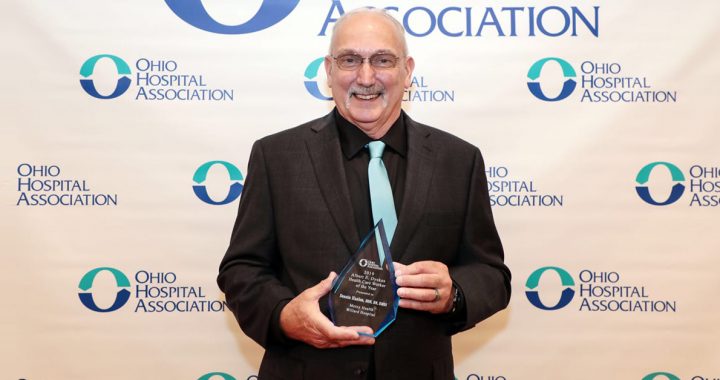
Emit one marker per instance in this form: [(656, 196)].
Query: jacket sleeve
[(249, 273), (479, 271)]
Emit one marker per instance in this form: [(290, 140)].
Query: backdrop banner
[(127, 127)]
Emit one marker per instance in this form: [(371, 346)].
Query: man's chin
[(365, 116)]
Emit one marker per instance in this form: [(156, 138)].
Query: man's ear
[(409, 67), (328, 70)]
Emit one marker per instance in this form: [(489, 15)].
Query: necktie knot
[(376, 149)]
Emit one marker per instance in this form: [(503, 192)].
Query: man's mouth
[(366, 96)]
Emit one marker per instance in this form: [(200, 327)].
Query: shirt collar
[(353, 139)]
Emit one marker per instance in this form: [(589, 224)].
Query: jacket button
[(359, 371)]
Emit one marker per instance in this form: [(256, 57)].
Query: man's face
[(368, 97)]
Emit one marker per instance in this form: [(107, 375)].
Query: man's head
[(369, 94)]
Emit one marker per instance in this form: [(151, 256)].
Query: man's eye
[(383, 60), (350, 60)]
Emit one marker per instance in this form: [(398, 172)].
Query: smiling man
[(310, 195)]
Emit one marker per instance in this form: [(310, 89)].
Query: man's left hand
[(425, 285)]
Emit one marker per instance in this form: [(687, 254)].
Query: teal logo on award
[(534, 280)]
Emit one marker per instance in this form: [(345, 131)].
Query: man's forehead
[(366, 33), (364, 51)]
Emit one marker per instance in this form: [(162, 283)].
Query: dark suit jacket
[(295, 225)]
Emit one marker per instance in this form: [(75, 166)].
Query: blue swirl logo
[(311, 83), (123, 70), (644, 176), (201, 175), (194, 13), (534, 280), (567, 88), (86, 296)]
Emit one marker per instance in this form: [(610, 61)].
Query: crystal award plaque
[(365, 292)]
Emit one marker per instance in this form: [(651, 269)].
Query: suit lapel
[(420, 167), (326, 156)]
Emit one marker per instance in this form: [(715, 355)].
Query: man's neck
[(376, 130)]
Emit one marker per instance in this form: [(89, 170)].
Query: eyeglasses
[(377, 61)]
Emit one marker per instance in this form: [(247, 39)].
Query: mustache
[(362, 90)]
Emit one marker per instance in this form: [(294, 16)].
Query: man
[(306, 204)]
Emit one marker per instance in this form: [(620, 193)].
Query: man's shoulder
[(294, 135), (442, 140)]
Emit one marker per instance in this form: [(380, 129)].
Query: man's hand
[(424, 285), (302, 320)]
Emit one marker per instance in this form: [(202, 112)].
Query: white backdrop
[(140, 156)]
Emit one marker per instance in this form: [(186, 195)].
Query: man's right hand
[(302, 320)]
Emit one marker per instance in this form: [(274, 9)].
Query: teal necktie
[(381, 196)]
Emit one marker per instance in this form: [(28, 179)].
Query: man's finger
[(363, 330), (346, 336), (419, 294), (335, 333), (419, 281), (417, 305), (322, 288), (419, 267)]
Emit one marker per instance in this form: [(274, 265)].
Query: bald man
[(306, 205)]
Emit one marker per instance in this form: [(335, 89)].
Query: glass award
[(365, 292)]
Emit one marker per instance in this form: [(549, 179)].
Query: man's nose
[(365, 74)]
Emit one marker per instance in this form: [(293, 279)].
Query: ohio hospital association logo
[(568, 85), (311, 81), (600, 82), (598, 291), (153, 292), (419, 19), (704, 184), (194, 13), (508, 189), (46, 185), (154, 80), (86, 295), (123, 71), (201, 176)]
